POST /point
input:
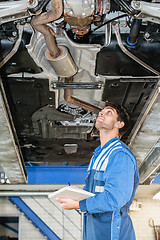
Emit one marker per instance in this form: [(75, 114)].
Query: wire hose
[(109, 21)]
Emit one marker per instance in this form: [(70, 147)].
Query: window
[(9, 226)]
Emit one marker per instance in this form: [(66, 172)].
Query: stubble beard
[(102, 125)]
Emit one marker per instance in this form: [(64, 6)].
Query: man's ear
[(120, 124)]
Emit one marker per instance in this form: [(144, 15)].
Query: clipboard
[(74, 193)]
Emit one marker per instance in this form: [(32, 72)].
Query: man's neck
[(107, 136)]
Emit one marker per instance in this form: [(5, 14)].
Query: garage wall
[(150, 209), (66, 224), (27, 230)]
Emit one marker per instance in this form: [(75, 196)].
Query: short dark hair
[(123, 116)]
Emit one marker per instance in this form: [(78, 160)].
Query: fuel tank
[(111, 61)]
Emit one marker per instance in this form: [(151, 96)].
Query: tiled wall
[(150, 210)]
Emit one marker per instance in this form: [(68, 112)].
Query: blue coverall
[(113, 176)]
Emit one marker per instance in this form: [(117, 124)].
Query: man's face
[(107, 119)]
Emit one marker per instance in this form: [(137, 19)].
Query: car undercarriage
[(60, 62)]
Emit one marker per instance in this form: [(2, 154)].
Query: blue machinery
[(56, 175)]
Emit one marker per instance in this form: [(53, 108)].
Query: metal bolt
[(147, 35), (136, 4), (14, 33)]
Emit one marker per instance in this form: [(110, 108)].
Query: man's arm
[(67, 203), (118, 188)]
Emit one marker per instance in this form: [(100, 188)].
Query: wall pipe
[(20, 193)]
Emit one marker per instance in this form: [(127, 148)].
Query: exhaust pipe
[(75, 101), (58, 56)]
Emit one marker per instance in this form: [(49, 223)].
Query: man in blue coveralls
[(113, 176)]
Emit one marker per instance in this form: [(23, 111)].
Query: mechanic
[(113, 176)]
